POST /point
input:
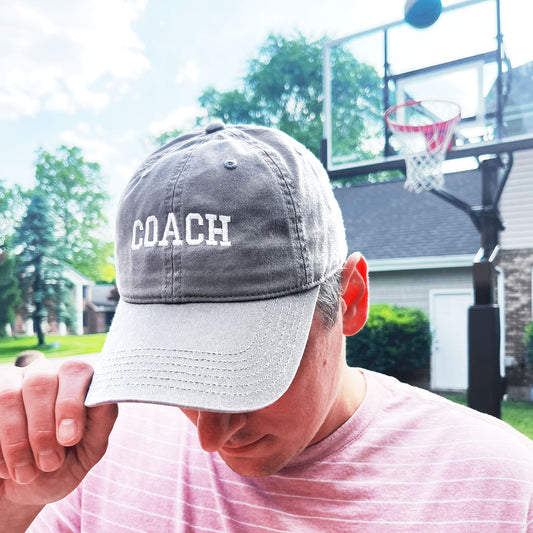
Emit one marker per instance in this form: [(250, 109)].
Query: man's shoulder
[(438, 419)]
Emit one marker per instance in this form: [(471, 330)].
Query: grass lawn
[(56, 346), (517, 414), (520, 416)]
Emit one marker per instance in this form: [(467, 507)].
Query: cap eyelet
[(214, 126), (230, 164)]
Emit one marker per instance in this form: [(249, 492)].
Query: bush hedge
[(528, 342), (394, 341)]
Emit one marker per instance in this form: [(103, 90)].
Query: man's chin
[(254, 467)]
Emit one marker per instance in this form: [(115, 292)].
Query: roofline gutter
[(420, 263)]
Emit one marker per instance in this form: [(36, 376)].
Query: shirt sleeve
[(59, 517)]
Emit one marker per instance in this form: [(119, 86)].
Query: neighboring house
[(100, 306), (420, 251), (24, 326)]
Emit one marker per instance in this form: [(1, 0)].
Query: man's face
[(260, 443)]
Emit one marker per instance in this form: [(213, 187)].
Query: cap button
[(214, 126)]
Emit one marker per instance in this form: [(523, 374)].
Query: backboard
[(476, 55)]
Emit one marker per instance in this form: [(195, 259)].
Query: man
[(238, 411)]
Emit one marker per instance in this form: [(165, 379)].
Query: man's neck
[(352, 390)]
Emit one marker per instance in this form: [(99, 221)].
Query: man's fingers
[(42, 413), (70, 411), (100, 421), (4, 472), (14, 441), (39, 391)]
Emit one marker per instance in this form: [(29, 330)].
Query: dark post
[(387, 150), (38, 313), (485, 384), (323, 152)]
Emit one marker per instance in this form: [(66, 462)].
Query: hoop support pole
[(486, 385)]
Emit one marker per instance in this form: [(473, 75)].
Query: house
[(516, 262), (420, 251), (100, 305), (80, 283)]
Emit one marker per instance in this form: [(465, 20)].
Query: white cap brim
[(227, 357)]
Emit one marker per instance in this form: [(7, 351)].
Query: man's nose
[(215, 429)]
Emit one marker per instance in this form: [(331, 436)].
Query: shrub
[(394, 341), (528, 342)]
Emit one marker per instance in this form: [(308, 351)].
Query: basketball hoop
[(424, 129)]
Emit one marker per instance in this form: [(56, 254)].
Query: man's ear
[(354, 287)]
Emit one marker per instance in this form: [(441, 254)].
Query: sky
[(106, 75)]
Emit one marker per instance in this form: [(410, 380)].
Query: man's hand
[(48, 439)]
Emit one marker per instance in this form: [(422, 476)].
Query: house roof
[(70, 273), (384, 221)]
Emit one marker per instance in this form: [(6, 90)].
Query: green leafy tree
[(357, 114), (528, 342), (232, 107), (44, 288), (283, 89), (166, 136), (13, 203), (105, 267), (75, 190), (9, 291)]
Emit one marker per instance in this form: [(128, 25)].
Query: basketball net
[(424, 130)]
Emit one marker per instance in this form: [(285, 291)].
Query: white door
[(449, 325)]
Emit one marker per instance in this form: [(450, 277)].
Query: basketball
[(422, 13)]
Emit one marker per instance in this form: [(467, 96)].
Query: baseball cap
[(223, 237)]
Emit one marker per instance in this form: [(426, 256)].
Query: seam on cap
[(177, 192), (276, 163), (194, 298), (257, 338), (283, 342)]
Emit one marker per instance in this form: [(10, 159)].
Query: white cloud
[(183, 118), (58, 55), (189, 72), (89, 139)]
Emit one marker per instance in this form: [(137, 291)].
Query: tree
[(283, 89), (357, 114), (232, 107), (40, 273), (13, 204), (528, 342), (75, 191), (104, 267), (9, 291), (161, 140)]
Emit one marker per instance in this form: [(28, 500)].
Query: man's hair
[(327, 303)]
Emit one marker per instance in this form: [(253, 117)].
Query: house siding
[(410, 288), (386, 223), (516, 204)]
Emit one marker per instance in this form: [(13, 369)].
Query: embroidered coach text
[(147, 234)]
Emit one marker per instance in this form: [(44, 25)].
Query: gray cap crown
[(229, 213)]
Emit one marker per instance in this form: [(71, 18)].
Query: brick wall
[(517, 266)]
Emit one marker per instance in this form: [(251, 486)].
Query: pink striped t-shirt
[(407, 461)]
